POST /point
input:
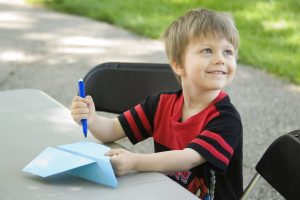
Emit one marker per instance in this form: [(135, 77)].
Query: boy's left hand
[(122, 161)]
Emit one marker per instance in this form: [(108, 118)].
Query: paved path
[(50, 51)]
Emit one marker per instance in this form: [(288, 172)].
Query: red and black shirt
[(215, 133)]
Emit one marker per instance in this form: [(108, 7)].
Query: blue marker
[(82, 94)]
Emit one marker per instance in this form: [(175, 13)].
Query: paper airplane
[(83, 159)]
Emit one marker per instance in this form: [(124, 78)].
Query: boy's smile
[(216, 73), (208, 64)]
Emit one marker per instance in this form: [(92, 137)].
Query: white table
[(30, 121)]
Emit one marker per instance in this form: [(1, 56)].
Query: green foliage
[(269, 29)]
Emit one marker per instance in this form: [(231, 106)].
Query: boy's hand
[(83, 108), (122, 161)]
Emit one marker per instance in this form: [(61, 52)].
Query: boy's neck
[(195, 103)]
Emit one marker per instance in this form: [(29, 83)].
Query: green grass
[(269, 29)]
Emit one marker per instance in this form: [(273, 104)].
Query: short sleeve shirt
[(215, 133)]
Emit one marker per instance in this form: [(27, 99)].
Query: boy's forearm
[(104, 129), (168, 161)]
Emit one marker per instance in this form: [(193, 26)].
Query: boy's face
[(208, 64)]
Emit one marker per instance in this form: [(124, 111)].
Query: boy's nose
[(219, 58)]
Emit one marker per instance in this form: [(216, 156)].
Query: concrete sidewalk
[(50, 51)]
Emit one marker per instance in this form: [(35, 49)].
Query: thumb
[(89, 100)]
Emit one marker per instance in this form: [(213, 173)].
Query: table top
[(31, 121)]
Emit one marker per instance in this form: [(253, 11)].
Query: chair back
[(280, 165), (118, 86)]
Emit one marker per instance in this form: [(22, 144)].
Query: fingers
[(120, 160), (79, 114), (114, 155), (114, 161), (79, 109), (78, 102), (114, 152)]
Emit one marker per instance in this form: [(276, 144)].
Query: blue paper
[(83, 159)]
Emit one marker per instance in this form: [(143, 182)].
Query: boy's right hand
[(83, 108)]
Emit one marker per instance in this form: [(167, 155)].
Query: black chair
[(117, 87), (280, 167)]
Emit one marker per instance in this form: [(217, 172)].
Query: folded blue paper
[(83, 159)]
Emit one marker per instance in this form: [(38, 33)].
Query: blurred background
[(50, 44), (269, 29)]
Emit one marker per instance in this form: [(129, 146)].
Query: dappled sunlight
[(12, 56), (13, 2), (97, 46), (15, 20), (17, 56), (14, 25), (293, 88), (80, 50), (258, 11), (264, 7), (87, 41), (14, 17), (277, 24), (261, 12), (84, 45), (154, 46)]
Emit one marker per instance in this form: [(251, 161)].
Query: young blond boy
[(197, 132)]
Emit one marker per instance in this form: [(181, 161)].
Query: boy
[(197, 132)]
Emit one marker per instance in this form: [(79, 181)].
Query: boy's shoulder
[(225, 106), (223, 101)]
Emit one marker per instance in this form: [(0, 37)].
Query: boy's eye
[(207, 50), (228, 52)]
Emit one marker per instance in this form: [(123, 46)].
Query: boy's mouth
[(217, 72)]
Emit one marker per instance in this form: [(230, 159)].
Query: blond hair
[(196, 24)]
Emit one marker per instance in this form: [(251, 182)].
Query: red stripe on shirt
[(143, 118), (219, 139), (133, 125), (212, 150)]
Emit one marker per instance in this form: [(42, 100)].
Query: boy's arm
[(106, 129), (168, 161)]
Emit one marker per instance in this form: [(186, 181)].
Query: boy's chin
[(218, 86)]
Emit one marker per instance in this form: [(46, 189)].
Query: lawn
[(269, 29)]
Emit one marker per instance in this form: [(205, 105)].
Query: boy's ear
[(177, 68)]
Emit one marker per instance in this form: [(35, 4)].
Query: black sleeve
[(217, 142), (138, 121)]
